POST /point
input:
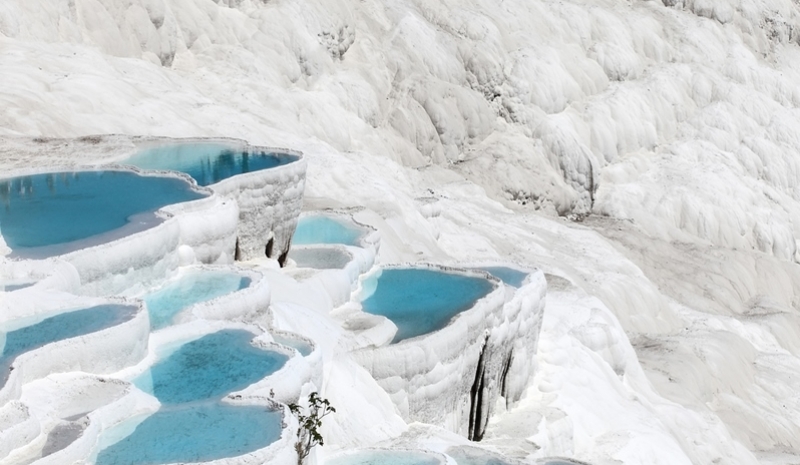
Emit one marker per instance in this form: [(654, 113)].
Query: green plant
[(310, 421)]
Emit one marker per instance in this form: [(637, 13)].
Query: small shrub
[(310, 421)]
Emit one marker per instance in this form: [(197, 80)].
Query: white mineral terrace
[(637, 159)]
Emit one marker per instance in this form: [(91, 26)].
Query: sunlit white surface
[(670, 335)]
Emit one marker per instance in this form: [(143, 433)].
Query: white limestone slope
[(675, 119)]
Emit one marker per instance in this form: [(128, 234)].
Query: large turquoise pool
[(192, 288), (195, 433), (208, 163), (209, 368), (323, 229), (54, 213), (421, 300)]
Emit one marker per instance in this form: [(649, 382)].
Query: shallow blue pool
[(421, 300), (207, 163), (58, 209), (196, 433), (323, 229), (194, 287), (510, 276), (64, 326), (385, 457), (209, 368), (59, 327)]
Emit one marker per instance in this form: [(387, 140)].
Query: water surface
[(323, 229), (192, 288), (41, 211), (421, 300), (64, 326), (196, 433), (208, 163), (209, 368)]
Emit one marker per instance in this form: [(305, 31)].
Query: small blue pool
[(58, 209), (194, 287), (510, 276), (195, 433), (59, 327), (207, 163), (323, 229), (64, 326), (209, 368), (385, 457), (421, 300)]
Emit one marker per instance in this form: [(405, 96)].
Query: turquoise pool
[(195, 433), (48, 214), (64, 326), (210, 367), (208, 163), (421, 300), (511, 276), (192, 288), (323, 229), (59, 327)]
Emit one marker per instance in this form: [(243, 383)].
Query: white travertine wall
[(429, 378), (149, 255), (269, 202), (454, 376), (252, 208), (17, 427)]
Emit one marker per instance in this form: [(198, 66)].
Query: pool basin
[(209, 368), (193, 433), (326, 229), (421, 300), (510, 276), (56, 213), (208, 163), (196, 286)]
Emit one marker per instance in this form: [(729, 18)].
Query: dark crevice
[(506, 367), (237, 253), (270, 245), (283, 257), (477, 420)]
